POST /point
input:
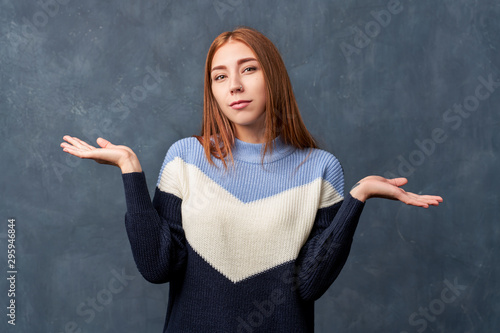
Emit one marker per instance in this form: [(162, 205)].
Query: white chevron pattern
[(240, 239)]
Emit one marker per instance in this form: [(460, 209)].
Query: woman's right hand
[(120, 156)]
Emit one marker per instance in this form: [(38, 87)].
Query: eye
[(250, 69), (219, 77)]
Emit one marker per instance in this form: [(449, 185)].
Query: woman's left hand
[(380, 187)]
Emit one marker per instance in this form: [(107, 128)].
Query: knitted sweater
[(247, 250)]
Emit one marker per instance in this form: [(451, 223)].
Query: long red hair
[(282, 113)]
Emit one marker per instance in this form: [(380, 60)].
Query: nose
[(236, 86)]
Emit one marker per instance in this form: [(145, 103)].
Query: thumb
[(398, 181), (104, 143)]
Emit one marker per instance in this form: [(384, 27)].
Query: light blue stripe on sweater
[(252, 181)]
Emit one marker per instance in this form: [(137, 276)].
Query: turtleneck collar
[(251, 152)]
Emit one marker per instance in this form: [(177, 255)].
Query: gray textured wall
[(409, 89)]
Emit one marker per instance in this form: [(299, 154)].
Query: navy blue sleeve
[(326, 250), (323, 256), (154, 230)]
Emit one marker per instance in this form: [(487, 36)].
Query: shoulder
[(178, 154), (328, 160), (330, 168), (182, 148)]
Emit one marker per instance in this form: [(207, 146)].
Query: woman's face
[(239, 88)]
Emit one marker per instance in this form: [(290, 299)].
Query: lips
[(239, 104)]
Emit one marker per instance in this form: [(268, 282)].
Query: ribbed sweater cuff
[(350, 207), (136, 192)]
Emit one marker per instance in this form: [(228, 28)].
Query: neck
[(247, 134), (252, 152)]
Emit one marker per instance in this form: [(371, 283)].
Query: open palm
[(380, 187), (108, 153)]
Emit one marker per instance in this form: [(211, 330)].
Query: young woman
[(249, 221)]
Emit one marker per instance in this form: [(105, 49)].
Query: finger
[(428, 202), (413, 202), (66, 137), (417, 203), (84, 144), (428, 196), (431, 199), (435, 197), (72, 140), (69, 140), (66, 146), (425, 196), (76, 151), (93, 154), (104, 143), (77, 142), (419, 200), (73, 148), (398, 181), (431, 202)]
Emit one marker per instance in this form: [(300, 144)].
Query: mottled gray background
[(384, 97)]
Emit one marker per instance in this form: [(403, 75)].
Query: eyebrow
[(241, 61)]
